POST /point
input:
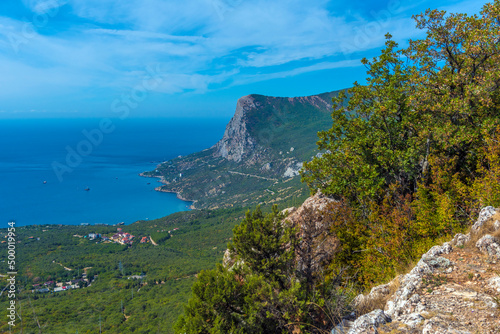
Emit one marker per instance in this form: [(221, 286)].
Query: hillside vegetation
[(409, 160), (415, 154), (110, 298)]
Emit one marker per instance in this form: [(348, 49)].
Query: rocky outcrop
[(460, 239), (316, 204), (293, 169), (369, 322), (237, 141), (311, 220), (485, 214), (259, 119), (454, 288), (406, 298), (489, 245)]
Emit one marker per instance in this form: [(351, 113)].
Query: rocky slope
[(454, 288), (258, 158)]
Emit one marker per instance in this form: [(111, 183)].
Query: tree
[(404, 153), (370, 143), (265, 244), (223, 302), (270, 288)]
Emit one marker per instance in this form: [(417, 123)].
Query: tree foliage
[(410, 156), (266, 244), (264, 290)]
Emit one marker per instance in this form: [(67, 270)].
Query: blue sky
[(188, 58)]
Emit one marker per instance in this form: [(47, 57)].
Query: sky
[(188, 58)]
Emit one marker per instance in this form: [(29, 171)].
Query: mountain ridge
[(261, 151)]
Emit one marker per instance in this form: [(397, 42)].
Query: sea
[(86, 171)]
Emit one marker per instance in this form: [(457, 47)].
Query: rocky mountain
[(260, 122), (237, 142), (258, 158)]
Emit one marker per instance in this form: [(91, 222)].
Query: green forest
[(410, 159), (121, 305)]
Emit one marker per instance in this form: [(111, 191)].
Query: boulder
[(369, 322), (485, 214), (459, 240), (489, 245)]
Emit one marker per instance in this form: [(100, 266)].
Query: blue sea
[(74, 171)]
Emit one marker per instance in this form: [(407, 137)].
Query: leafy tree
[(368, 146), (407, 154)]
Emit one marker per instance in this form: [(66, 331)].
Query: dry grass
[(380, 300)]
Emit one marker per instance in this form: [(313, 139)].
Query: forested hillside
[(407, 163), (259, 157)]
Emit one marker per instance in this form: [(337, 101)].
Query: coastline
[(179, 196)]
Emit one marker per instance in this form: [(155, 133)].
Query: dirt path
[(256, 176)]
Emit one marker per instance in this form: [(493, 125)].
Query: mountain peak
[(236, 140), (259, 119)]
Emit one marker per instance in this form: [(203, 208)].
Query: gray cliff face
[(236, 141), (241, 145)]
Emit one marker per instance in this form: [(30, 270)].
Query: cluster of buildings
[(60, 286), (122, 238), (91, 236)]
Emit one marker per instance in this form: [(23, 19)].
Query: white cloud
[(199, 43), (44, 6), (299, 70)]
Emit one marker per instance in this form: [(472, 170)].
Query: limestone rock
[(311, 219), (460, 239), (377, 292), (369, 322), (289, 210), (293, 170), (496, 225), (237, 141), (494, 283), (489, 245), (400, 302), (317, 204), (343, 327), (437, 262), (411, 320), (485, 214), (438, 325), (227, 260)]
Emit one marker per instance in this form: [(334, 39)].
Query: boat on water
[(87, 189)]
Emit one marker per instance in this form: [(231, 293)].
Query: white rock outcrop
[(489, 245)]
